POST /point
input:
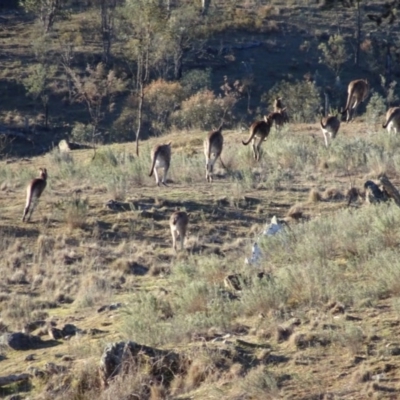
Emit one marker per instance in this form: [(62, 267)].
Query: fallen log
[(7, 380), (390, 189)]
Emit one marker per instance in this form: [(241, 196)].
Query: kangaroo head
[(268, 119), (43, 173)]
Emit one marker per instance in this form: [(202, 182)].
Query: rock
[(373, 194), (274, 226), (118, 205), (55, 333), (110, 307), (69, 330), (20, 341), (163, 365), (349, 317), (30, 357), (94, 331), (66, 146)]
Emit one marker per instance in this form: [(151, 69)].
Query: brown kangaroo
[(213, 145), (261, 130), (33, 193), (178, 224)]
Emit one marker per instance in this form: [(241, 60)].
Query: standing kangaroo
[(261, 130), (160, 158), (279, 108), (178, 224), (330, 126), (358, 91), (278, 118), (33, 193), (392, 120), (213, 145)]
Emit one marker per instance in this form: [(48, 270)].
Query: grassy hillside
[(330, 310), (317, 318)]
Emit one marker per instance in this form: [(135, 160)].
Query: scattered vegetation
[(324, 294)]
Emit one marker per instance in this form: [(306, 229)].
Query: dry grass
[(78, 255), (125, 256)]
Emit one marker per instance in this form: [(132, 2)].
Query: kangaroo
[(160, 158), (213, 145), (178, 224), (33, 193), (278, 118), (392, 120), (330, 126), (279, 108), (358, 91), (261, 130)]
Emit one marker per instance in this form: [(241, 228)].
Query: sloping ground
[(69, 261)]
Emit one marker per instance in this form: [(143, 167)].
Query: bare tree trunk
[(49, 12), (46, 114), (388, 65), (205, 4), (358, 35), (142, 77), (107, 27), (326, 95), (178, 61), (140, 117)]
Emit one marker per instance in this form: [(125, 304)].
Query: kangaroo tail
[(384, 126), (153, 164), (252, 134), (349, 97)]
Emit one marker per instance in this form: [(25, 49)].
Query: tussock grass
[(314, 196)]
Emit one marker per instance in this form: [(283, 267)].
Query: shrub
[(124, 126), (302, 99), (204, 110), (196, 80), (376, 108), (161, 99), (334, 53), (74, 210), (82, 133), (105, 157)]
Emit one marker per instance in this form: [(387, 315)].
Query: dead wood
[(390, 189), (7, 380)]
